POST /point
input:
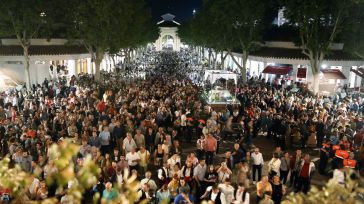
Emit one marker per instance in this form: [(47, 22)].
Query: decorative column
[(294, 72), (33, 72), (346, 71), (71, 65), (358, 81), (309, 76), (265, 76), (89, 66), (251, 71)]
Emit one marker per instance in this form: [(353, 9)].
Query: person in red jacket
[(100, 106), (306, 170)]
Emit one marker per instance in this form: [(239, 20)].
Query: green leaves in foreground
[(64, 158), (331, 193)]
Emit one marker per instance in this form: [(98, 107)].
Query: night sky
[(182, 9)]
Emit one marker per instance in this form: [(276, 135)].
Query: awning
[(333, 74), (359, 72), (361, 69), (278, 69), (301, 73)]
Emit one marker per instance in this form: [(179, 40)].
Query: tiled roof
[(297, 54), (14, 50), (167, 24)]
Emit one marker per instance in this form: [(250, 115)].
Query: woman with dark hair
[(241, 195), (284, 167), (278, 190), (149, 139), (159, 155), (183, 187), (211, 176)]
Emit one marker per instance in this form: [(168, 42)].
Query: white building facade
[(168, 37), (273, 54), (72, 59)]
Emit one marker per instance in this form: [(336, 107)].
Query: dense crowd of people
[(141, 125)]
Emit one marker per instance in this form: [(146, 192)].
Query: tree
[(198, 31), (24, 20), (140, 31), (244, 25), (63, 155), (95, 29), (332, 193), (228, 25), (319, 22), (353, 33), (112, 25)]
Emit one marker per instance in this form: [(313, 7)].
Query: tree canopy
[(101, 26), (228, 25), (319, 22), (25, 20), (353, 32), (111, 26)]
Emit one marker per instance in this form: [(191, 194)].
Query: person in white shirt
[(183, 119), (34, 187), (339, 176), (15, 101), (128, 143), (241, 195), (119, 176), (201, 146), (228, 190), (143, 193), (173, 161), (148, 180), (223, 172), (258, 163), (163, 174), (175, 171), (274, 165), (132, 158), (214, 194)]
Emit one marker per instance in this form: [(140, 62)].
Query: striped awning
[(333, 74), (278, 69), (359, 71)]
